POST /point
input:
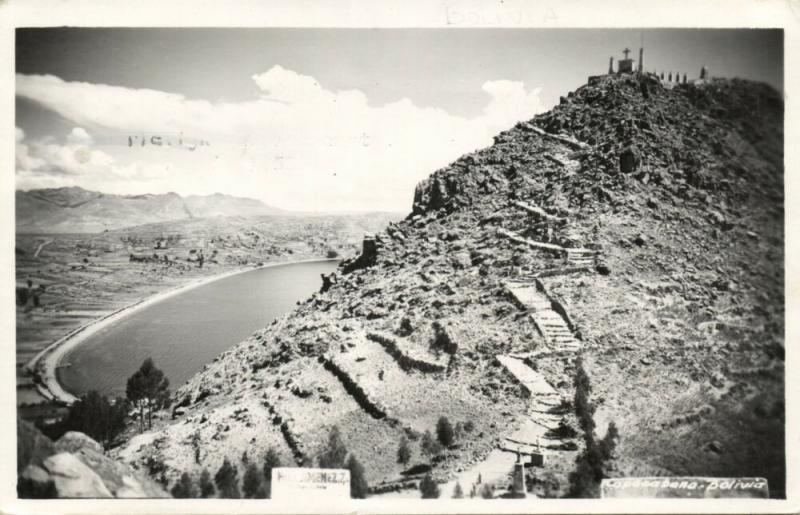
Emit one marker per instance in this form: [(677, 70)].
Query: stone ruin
[(368, 256)]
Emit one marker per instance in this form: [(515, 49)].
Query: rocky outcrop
[(367, 258), (74, 467), (72, 478)]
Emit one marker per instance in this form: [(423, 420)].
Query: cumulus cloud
[(51, 163), (24, 159), (79, 136), (296, 145)]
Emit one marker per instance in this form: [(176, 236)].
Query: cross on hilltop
[(626, 52)]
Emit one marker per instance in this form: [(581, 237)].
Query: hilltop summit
[(638, 225)]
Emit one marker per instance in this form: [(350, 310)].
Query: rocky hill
[(76, 210), (638, 225)]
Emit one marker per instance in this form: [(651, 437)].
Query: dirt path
[(41, 246)]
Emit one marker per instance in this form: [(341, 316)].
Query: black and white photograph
[(340, 264)]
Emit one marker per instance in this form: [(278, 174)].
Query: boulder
[(74, 441), (32, 446), (35, 483), (628, 160), (72, 466), (461, 260), (73, 479)]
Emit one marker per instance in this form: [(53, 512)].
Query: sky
[(313, 119)]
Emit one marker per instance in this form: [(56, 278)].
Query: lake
[(186, 331)]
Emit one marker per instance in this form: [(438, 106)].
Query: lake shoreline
[(44, 366)]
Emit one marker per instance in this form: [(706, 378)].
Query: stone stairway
[(551, 325), (574, 257), (532, 435), (581, 257), (555, 331)]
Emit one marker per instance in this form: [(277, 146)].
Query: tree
[(271, 460), (591, 463), (334, 454), (444, 432), (251, 481), (195, 441), (358, 481), (429, 446), (458, 431), (227, 481), (403, 451), (95, 416), (428, 488), (584, 409), (458, 492), (184, 488), (206, 485), (442, 340), (487, 492), (609, 442), (148, 390)]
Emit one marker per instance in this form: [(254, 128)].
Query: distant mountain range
[(74, 209)]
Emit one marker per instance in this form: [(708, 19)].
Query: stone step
[(560, 341), (547, 416), (554, 324), (537, 307), (567, 346), (551, 322), (558, 334), (510, 446), (549, 315), (560, 330), (559, 337), (548, 398), (550, 403), (545, 424), (545, 411), (557, 331), (520, 441)]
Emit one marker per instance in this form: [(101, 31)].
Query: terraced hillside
[(638, 225)]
